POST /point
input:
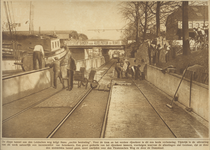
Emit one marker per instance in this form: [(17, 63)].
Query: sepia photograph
[(104, 70)]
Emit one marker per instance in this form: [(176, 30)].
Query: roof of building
[(195, 13)]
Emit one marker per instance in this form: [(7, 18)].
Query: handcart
[(93, 83), (79, 76)]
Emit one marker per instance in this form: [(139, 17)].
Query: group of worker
[(63, 69), (124, 69)]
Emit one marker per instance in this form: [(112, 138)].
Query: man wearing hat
[(68, 66), (154, 50)]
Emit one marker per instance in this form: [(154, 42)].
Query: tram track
[(77, 121), (103, 129), (31, 106), (85, 115), (78, 104), (47, 97), (155, 110)]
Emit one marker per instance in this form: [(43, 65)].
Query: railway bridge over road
[(84, 50), (104, 44)]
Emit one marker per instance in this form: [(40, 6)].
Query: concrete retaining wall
[(24, 84), (169, 83)]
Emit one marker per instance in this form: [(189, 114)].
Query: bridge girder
[(103, 47)]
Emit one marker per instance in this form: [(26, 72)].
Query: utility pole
[(158, 19), (31, 18), (39, 31), (185, 32), (8, 20), (204, 16)]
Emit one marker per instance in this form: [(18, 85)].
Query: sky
[(81, 16)]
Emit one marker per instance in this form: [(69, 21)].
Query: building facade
[(197, 18)]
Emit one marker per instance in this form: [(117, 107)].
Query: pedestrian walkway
[(144, 114)]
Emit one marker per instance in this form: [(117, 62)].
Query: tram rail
[(42, 100), (87, 117), (75, 107), (155, 110)]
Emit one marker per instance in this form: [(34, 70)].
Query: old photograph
[(104, 69)]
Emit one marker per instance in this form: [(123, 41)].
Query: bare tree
[(130, 12), (73, 35), (137, 14), (146, 18), (161, 9), (82, 36)]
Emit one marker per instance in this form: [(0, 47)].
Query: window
[(190, 24), (180, 24), (58, 44)]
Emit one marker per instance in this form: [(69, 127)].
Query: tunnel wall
[(26, 83), (169, 82)]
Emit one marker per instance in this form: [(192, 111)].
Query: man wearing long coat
[(68, 66)]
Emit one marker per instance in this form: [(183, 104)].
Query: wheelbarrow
[(80, 77), (93, 83)]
